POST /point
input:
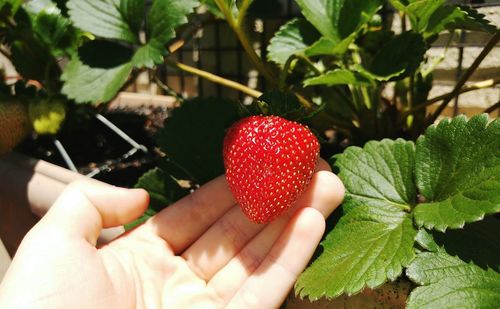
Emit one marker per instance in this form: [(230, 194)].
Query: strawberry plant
[(422, 199)]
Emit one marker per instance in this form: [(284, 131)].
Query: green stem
[(456, 91), (338, 124), (366, 98), (242, 12), (288, 63), (492, 108), (411, 93), (476, 86), (309, 63), (167, 89), (214, 78), (238, 28)]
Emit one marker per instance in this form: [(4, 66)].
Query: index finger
[(183, 222)]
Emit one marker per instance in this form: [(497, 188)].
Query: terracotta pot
[(28, 187)]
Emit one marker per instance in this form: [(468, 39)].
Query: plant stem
[(476, 86), (238, 28), (411, 94), (492, 108), (242, 12), (188, 32), (167, 89), (288, 63), (337, 124), (214, 78), (456, 91), (5, 52)]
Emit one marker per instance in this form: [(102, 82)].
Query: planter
[(28, 187), (388, 296)]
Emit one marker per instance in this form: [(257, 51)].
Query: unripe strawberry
[(14, 124), (47, 115), (269, 162)]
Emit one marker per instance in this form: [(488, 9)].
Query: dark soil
[(91, 144)]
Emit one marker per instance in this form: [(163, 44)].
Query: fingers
[(85, 207), (233, 231), (183, 222), (246, 261), (283, 264)]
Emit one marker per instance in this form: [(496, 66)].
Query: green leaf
[(420, 11), (283, 104), (14, 5), (399, 5), (478, 242), (381, 173), (133, 13), (374, 240), (145, 216), (96, 85), (355, 14), (163, 18), (103, 18), (369, 246), (56, 32), (163, 191), (147, 56), (451, 283), (193, 136), (338, 77), (426, 241), (339, 19), (457, 172), (213, 8), (291, 39), (455, 17), (326, 46), (398, 57)]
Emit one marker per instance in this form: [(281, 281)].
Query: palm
[(222, 259), (200, 252)]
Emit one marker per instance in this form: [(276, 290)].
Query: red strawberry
[(269, 162)]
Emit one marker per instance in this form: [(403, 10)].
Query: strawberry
[(14, 123), (269, 162)]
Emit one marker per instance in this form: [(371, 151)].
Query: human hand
[(199, 252)]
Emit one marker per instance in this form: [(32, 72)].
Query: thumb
[(86, 207)]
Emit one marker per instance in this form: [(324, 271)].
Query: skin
[(200, 252)]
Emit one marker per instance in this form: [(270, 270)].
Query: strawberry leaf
[(449, 282), (338, 77), (431, 17), (93, 84), (338, 19), (163, 18), (163, 190), (477, 242), (399, 57), (456, 17), (292, 38), (106, 18), (327, 46), (374, 240), (457, 168), (192, 137)]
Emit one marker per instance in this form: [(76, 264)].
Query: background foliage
[(421, 200)]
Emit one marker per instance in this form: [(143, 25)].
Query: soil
[(91, 144)]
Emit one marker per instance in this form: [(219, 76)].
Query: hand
[(200, 252)]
